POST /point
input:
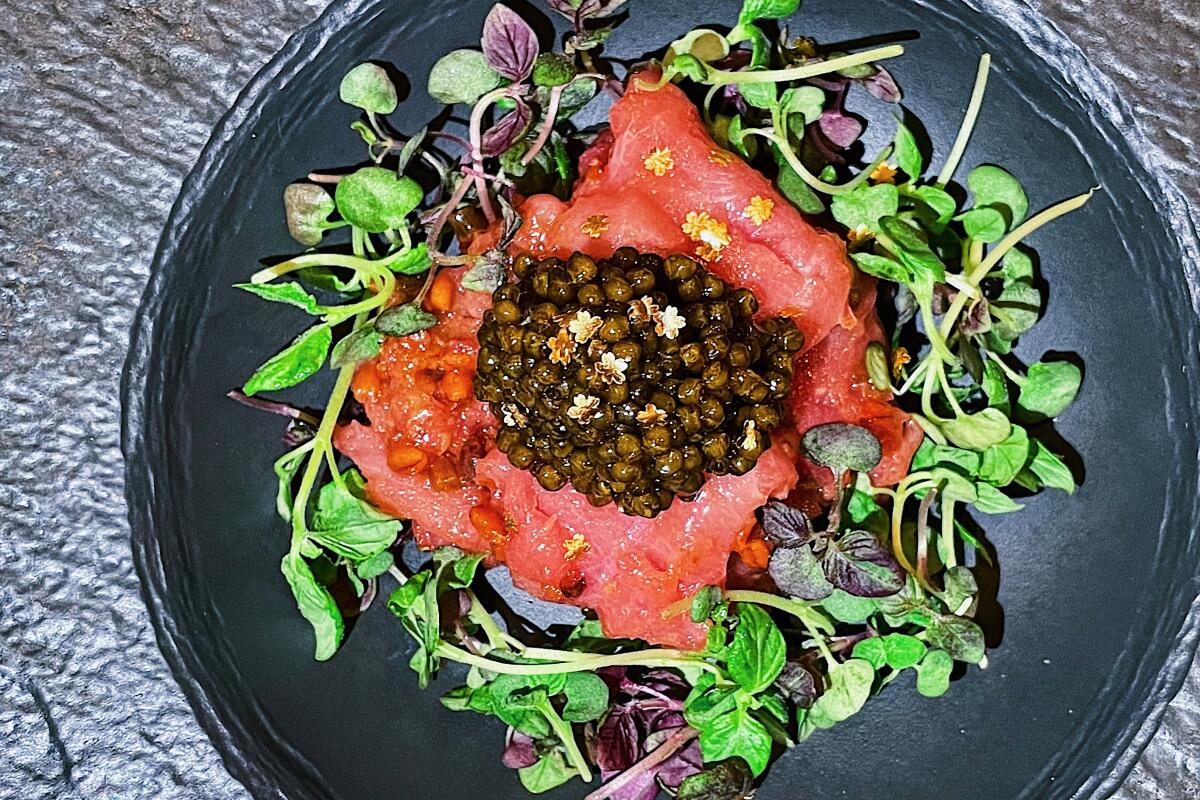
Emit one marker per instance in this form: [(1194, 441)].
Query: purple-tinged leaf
[(640, 781), (578, 11), (841, 129), (976, 320), (505, 133), (786, 526), (509, 44), (519, 751), (883, 86), (798, 573), (797, 684), (618, 741), (860, 565)]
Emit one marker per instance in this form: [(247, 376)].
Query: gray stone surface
[(104, 105)]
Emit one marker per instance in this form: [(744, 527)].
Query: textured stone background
[(104, 105)]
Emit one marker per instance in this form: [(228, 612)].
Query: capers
[(596, 385)]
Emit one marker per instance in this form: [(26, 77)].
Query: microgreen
[(462, 76), (375, 200), (368, 87), (307, 207)]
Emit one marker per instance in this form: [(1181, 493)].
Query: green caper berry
[(678, 267)]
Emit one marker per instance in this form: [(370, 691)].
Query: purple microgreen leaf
[(487, 273), (976, 320), (505, 133), (618, 742), (509, 43), (842, 447), (841, 129), (798, 573), (883, 86), (797, 684), (786, 526), (859, 564), (519, 751)]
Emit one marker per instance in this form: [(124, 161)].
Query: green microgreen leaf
[(487, 273), (1049, 387), (758, 649), (847, 690), (845, 607), (806, 102), (877, 364), (296, 363), (933, 673), (990, 500), (905, 241), (940, 203), (908, 155), (985, 224), (462, 76), (798, 573), (795, 188), (344, 522), (1002, 461), (958, 636), (291, 293), (375, 200), (368, 87), (737, 734), (689, 66), (882, 267), (356, 346), (977, 431), (587, 697), (703, 602), (866, 205), (1051, 470), (551, 771), (414, 262), (995, 386), (767, 9), (1015, 311), (902, 651), (1016, 266), (376, 565), (404, 320), (728, 780), (994, 187), (307, 208), (760, 95), (553, 69), (315, 604)]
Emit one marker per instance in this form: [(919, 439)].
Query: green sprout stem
[(806, 175), (725, 78), (968, 123)]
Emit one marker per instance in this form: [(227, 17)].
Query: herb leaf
[(368, 87), (908, 155), (842, 447), (374, 199), (882, 267), (403, 320), (798, 573), (784, 525), (290, 293), (307, 208), (316, 604), (462, 76), (1049, 387), (977, 431), (758, 650), (356, 346), (859, 564), (958, 636), (737, 734), (587, 697), (933, 673), (549, 772), (1051, 470), (994, 187), (766, 9), (296, 363), (509, 43), (1001, 462), (866, 205)]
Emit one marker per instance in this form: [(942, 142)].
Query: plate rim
[(254, 765)]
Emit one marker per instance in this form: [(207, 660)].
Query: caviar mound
[(632, 377)]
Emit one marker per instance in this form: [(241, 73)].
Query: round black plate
[(1095, 588)]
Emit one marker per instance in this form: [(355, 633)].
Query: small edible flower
[(595, 225), (650, 414), (583, 408), (611, 369), (669, 322), (759, 209), (584, 325), (562, 347), (659, 161)]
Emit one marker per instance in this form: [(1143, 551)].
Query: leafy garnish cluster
[(869, 589)]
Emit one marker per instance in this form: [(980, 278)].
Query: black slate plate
[(1095, 588)]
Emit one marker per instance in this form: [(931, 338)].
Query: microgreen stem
[(1012, 374), (923, 536), (355, 263), (723, 78), (797, 608), (812, 180), (480, 616), (947, 390), (321, 441), (567, 734), (547, 126), (476, 137), (946, 550), (968, 123), (658, 657), (1007, 243), (670, 746)]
